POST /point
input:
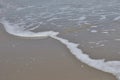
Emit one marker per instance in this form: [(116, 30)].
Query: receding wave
[(110, 66)]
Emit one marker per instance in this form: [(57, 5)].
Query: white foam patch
[(17, 31), (93, 31), (110, 66), (103, 17), (94, 26), (51, 19), (117, 18), (22, 8), (34, 27), (82, 18)]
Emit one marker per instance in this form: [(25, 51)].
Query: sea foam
[(18, 31), (109, 66)]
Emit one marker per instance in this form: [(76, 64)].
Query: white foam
[(110, 66), (17, 31), (34, 27), (103, 17), (94, 26), (93, 31), (82, 18), (51, 19), (22, 8), (117, 18)]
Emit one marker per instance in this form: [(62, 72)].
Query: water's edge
[(110, 66)]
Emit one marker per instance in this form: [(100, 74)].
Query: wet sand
[(42, 59), (97, 45)]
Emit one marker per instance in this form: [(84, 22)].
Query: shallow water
[(92, 24)]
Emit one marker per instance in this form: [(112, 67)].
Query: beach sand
[(42, 59)]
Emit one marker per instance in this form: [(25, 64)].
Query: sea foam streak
[(17, 31), (110, 66)]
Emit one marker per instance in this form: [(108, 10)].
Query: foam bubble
[(110, 66)]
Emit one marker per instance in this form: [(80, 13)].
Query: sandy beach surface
[(42, 59)]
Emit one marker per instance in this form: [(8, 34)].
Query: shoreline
[(63, 65)]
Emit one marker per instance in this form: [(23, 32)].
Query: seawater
[(27, 18)]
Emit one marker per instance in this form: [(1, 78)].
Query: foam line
[(110, 66), (117, 18), (16, 31)]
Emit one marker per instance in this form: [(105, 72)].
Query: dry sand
[(42, 59)]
